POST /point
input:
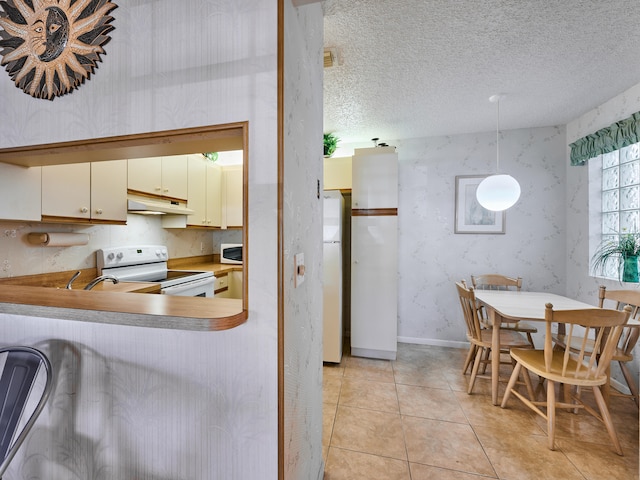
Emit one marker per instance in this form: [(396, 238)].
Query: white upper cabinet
[(174, 177), (109, 191), (232, 196), (66, 191), (214, 195), (374, 178), (21, 196), (161, 176), (145, 175), (85, 191), (204, 192), (337, 173)]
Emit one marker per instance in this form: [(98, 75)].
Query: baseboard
[(371, 353), (433, 342), (321, 472), (621, 387)]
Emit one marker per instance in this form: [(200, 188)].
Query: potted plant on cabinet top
[(330, 144), (624, 252)]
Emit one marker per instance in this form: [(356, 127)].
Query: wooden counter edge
[(129, 309)]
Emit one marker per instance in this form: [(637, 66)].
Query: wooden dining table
[(512, 306)]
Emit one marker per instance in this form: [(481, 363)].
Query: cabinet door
[(174, 177), (66, 190), (21, 194), (109, 190), (374, 277), (197, 179), (232, 196), (337, 173), (145, 175), (213, 195), (375, 178), (222, 286), (235, 284)]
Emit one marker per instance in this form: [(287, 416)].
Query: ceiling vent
[(330, 57)]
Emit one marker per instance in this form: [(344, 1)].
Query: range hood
[(150, 206)]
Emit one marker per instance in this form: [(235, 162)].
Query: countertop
[(115, 303)]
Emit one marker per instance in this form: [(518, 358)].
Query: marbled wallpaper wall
[(432, 257), (302, 228), (150, 404)]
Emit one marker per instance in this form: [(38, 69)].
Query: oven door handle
[(176, 289)]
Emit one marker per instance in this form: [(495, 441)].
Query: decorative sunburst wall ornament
[(51, 46)]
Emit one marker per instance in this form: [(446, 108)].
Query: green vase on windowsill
[(630, 269), (624, 251)]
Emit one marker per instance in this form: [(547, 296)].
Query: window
[(615, 178)]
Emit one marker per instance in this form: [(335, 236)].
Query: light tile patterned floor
[(411, 419)]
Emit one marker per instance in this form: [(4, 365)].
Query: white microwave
[(231, 253)]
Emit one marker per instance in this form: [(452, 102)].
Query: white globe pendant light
[(500, 191)]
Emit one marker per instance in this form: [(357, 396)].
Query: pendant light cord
[(498, 139)]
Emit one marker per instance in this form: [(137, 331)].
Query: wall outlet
[(299, 269)]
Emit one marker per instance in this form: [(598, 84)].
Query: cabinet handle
[(166, 190), (84, 210), (159, 188), (99, 211)]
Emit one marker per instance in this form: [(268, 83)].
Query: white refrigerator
[(374, 253), (332, 283)]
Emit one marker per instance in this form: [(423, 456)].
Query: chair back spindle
[(469, 310), (599, 332)]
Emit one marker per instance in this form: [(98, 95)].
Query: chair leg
[(474, 370), (530, 339), (565, 392), (577, 395), (512, 381), (487, 356), (633, 387), (529, 385), (467, 362), (551, 413), (606, 418)]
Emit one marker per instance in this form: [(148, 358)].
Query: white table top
[(526, 305)]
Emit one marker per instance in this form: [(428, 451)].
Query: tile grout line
[(404, 436)]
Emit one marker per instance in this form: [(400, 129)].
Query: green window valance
[(614, 137)]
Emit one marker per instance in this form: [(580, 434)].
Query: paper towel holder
[(44, 239)]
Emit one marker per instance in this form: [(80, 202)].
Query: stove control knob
[(111, 256), (120, 255), (164, 253), (158, 253)]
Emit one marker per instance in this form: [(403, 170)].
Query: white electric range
[(148, 263)]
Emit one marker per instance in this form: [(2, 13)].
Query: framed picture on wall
[(471, 217)]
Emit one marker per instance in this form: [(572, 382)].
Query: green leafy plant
[(213, 156), (627, 246), (330, 144)]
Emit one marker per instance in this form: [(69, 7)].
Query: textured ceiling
[(419, 68)]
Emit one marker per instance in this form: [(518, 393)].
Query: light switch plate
[(299, 269)]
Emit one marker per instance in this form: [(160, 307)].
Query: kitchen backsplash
[(19, 257)]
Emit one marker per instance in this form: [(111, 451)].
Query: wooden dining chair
[(494, 281), (623, 354), (570, 367), (480, 338)]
